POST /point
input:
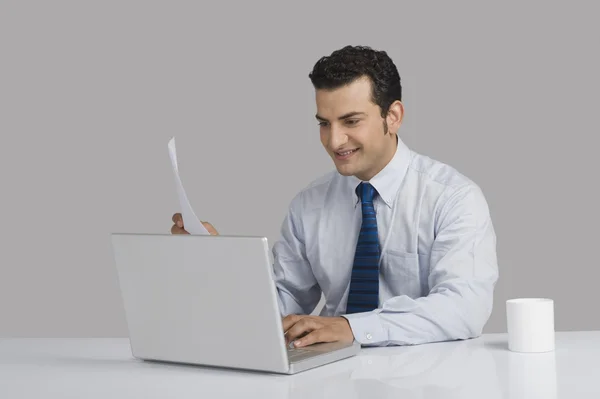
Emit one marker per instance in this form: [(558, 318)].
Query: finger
[(304, 326), (320, 335), (211, 229), (302, 335), (289, 321), (178, 219)]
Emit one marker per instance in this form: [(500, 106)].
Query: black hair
[(350, 63)]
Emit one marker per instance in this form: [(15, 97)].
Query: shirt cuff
[(367, 328)]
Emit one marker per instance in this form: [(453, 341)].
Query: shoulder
[(313, 194), (437, 173), (452, 190)]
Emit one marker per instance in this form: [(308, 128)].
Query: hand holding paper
[(190, 220)]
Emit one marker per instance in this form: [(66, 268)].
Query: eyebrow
[(345, 116)]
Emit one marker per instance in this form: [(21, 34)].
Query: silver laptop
[(210, 301)]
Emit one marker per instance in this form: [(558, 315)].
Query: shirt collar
[(388, 180)]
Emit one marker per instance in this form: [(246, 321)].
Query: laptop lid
[(200, 299)]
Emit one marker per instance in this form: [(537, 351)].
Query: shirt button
[(369, 336)]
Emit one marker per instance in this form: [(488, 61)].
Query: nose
[(337, 137)]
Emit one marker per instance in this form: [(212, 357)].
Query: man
[(402, 246)]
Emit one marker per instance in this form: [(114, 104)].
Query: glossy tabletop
[(478, 368)]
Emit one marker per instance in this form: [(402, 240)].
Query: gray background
[(90, 94)]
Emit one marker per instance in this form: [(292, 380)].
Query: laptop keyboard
[(297, 354)]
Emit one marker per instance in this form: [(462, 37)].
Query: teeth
[(345, 153)]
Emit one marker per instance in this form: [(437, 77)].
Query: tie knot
[(366, 192)]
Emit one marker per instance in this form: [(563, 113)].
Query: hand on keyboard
[(303, 330)]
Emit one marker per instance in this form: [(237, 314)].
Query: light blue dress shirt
[(438, 267)]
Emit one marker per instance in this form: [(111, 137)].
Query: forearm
[(455, 311), (294, 300)]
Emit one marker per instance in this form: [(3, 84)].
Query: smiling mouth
[(346, 153)]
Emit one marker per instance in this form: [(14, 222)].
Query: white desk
[(479, 368)]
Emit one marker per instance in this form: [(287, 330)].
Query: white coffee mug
[(530, 323)]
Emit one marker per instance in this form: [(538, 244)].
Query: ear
[(395, 115)]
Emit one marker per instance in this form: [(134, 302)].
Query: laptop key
[(296, 354)]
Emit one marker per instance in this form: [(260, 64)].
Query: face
[(353, 130)]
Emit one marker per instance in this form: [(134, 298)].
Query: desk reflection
[(532, 375), (460, 369)]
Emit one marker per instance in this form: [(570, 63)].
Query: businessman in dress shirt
[(401, 246)]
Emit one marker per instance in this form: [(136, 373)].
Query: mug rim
[(529, 300)]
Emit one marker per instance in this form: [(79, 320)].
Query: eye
[(352, 122), (322, 124)]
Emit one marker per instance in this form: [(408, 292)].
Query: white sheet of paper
[(191, 223)]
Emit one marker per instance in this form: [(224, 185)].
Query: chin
[(345, 170)]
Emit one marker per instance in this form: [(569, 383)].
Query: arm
[(297, 288), (463, 274)]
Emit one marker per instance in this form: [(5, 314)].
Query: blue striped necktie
[(364, 282)]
